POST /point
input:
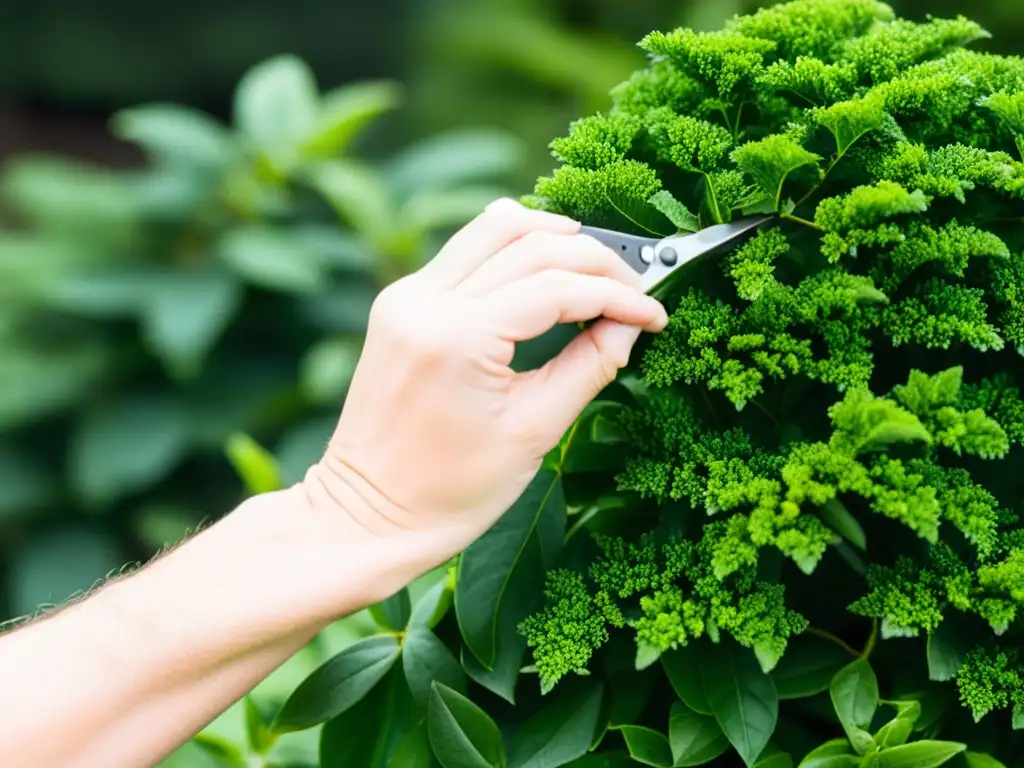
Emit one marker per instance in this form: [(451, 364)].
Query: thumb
[(589, 363)]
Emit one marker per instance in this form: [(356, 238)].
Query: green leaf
[(640, 214), (254, 464), (646, 655), (434, 604), (27, 486), (371, 733), (276, 107), (742, 698), (257, 727), (561, 731), (837, 517), (177, 136), (770, 160), (898, 730), (777, 759), (359, 196), (849, 120), (628, 694), (920, 754), (832, 754), (394, 612), (184, 313), (326, 369), (684, 219), (807, 667), (501, 575), (49, 567), (603, 760), (695, 739), (854, 693), (461, 734), (134, 442), (269, 258), (454, 157), (501, 680), (413, 751), (981, 760), (338, 683), (426, 659), (346, 112), (682, 666), (647, 746), (946, 650)]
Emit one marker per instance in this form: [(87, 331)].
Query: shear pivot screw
[(668, 256), (647, 254)]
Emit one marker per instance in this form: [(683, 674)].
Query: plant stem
[(799, 220), (872, 640), (765, 411), (834, 639)]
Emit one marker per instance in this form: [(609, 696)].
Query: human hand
[(438, 435)]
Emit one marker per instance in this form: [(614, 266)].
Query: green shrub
[(149, 314), (788, 534)]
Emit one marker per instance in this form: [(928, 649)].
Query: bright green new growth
[(849, 378)]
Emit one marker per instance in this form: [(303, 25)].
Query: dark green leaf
[(370, 733), (981, 760), (501, 575), (946, 649), (640, 215), (560, 732), (695, 739), (683, 669), (742, 698), (461, 734), (327, 369), (394, 612), (269, 258), (254, 464), (185, 313), (413, 751), (837, 517), (627, 696), (854, 693), (836, 753), (919, 754), (503, 678), (434, 604), (276, 106), (26, 487), (603, 760), (50, 567), (124, 447), (647, 746), (807, 667), (426, 659), (457, 156), (338, 683), (684, 219)]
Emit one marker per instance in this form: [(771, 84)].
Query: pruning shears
[(657, 259)]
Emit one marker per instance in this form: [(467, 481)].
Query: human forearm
[(123, 677)]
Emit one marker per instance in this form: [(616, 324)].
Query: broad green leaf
[(461, 734), (434, 604), (836, 753), (177, 135), (898, 730), (433, 209), (640, 215), (628, 694), (455, 157), (502, 679), (394, 612), (269, 258), (359, 197), (777, 759), (646, 655), (125, 446), (769, 162), (742, 698), (981, 760), (49, 567), (854, 693), (675, 211), (326, 369), (27, 486), (501, 575), (837, 517), (35, 383), (946, 649), (413, 751), (603, 760), (647, 746), (849, 120), (695, 739), (807, 667), (338, 683), (184, 314), (426, 659), (683, 669), (254, 464), (370, 733), (347, 111), (257, 727), (276, 106), (560, 732), (919, 754)]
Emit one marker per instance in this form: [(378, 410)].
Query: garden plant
[(788, 535)]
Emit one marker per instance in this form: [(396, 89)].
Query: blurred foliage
[(149, 316)]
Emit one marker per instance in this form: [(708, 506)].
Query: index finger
[(503, 222)]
